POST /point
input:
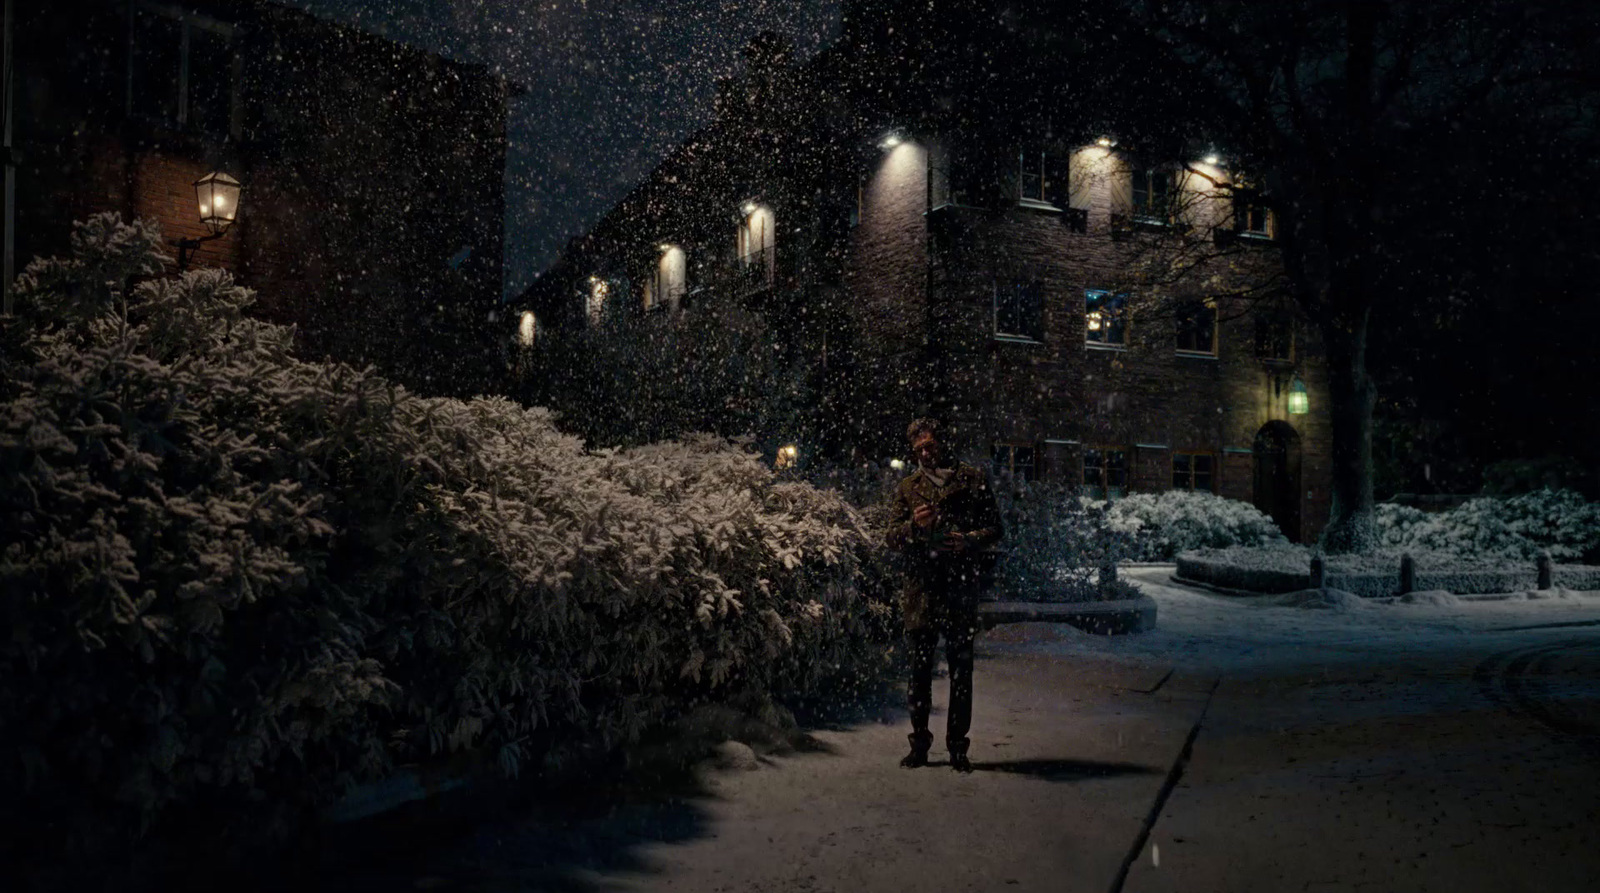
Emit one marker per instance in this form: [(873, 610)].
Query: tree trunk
[(1351, 397)]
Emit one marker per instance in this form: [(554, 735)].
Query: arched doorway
[(1277, 476)]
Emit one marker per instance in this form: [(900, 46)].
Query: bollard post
[(1408, 573), (1545, 570), (1317, 571)]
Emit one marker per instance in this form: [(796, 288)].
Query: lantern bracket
[(187, 248)]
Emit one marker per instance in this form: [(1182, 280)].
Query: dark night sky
[(613, 86)]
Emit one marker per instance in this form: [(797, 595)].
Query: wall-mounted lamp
[(787, 456), (897, 464), (1212, 159), (217, 196), (1299, 402), (1105, 142), (892, 140), (749, 207)]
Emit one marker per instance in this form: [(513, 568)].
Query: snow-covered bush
[(1056, 545), (1513, 528), (239, 579), (1164, 524)]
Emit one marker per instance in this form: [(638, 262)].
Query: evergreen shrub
[(236, 583)]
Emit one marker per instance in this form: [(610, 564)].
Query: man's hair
[(923, 426)]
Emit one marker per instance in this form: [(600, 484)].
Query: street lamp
[(217, 197)]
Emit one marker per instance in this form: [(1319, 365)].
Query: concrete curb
[(1135, 615)]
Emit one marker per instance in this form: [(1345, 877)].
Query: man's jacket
[(939, 582)]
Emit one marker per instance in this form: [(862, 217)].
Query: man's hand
[(954, 541), (924, 516)]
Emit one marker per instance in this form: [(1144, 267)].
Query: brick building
[(928, 222), (372, 212)]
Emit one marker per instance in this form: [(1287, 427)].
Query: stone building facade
[(1081, 306), (373, 203)]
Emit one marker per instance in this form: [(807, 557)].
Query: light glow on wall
[(527, 328)]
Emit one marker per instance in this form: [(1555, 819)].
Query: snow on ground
[(1205, 631)]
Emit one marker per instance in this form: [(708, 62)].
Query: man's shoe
[(960, 763), (918, 757)]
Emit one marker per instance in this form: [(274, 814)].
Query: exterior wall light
[(1299, 402), (1105, 142), (891, 141), (787, 456), (1212, 159), (897, 464), (217, 199), (748, 208)]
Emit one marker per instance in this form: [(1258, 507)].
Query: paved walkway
[(1238, 747)]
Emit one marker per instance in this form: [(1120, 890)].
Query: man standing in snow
[(944, 516)]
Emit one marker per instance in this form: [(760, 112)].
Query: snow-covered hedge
[(236, 578), (1287, 567), (1055, 546), (1164, 524), (1514, 528)]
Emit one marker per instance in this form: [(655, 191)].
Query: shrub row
[(238, 583)]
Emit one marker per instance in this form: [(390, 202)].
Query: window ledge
[(1100, 345), (1034, 204), (1258, 238), (1016, 339), (952, 206), (1197, 354)]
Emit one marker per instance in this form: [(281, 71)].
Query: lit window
[(755, 246), (1105, 472), (1152, 196), (669, 280), (1105, 317), (181, 70), (1197, 327), (1014, 460), (1193, 471), (596, 299), (1019, 309), (527, 328)]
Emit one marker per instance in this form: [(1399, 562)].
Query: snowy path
[(1385, 748)]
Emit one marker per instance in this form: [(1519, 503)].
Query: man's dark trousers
[(958, 628)]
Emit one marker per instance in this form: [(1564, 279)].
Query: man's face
[(926, 448)]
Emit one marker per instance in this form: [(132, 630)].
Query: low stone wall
[(1271, 581)]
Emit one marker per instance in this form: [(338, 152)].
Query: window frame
[(1190, 473), (1144, 179), (1016, 284), (187, 21), (1247, 201), (1108, 295), (1180, 327), (1010, 466), (1103, 489)]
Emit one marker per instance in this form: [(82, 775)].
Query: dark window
[(1019, 309), (1105, 472), (1015, 460), (1193, 471), (1197, 327), (180, 70), (1274, 336), (1031, 176), (1250, 213), (1152, 196), (1105, 317)]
